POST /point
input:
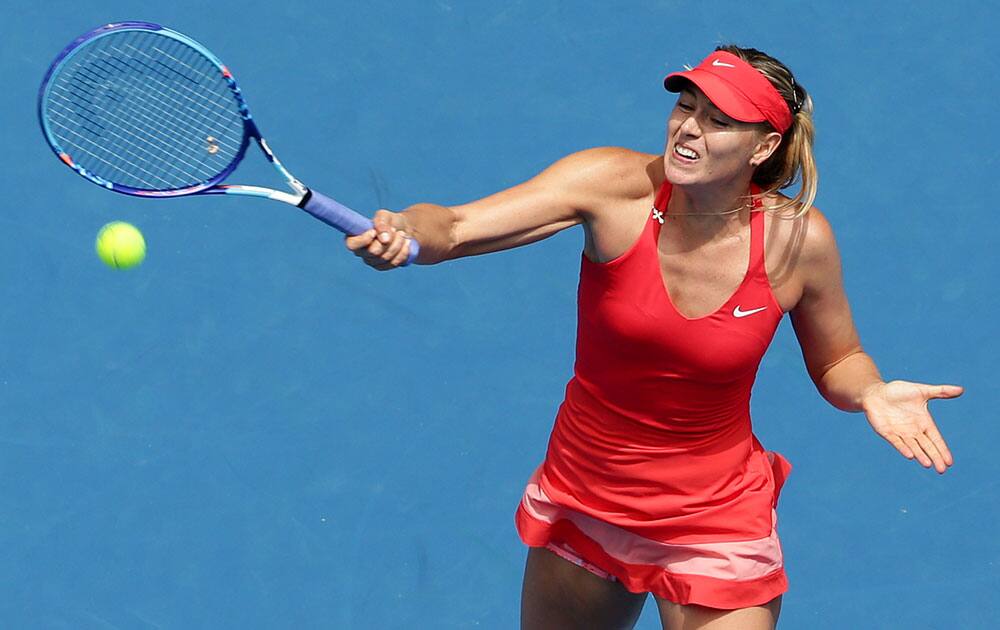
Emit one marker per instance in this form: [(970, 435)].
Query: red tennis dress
[(653, 476)]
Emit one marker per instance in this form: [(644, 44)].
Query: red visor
[(736, 88)]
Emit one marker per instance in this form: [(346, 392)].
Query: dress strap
[(660, 207), (662, 196), (756, 226)]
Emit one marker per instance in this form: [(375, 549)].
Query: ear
[(765, 148)]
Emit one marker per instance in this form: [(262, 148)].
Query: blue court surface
[(251, 430)]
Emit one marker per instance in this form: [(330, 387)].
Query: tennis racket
[(143, 110)]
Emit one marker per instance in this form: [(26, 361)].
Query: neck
[(711, 207)]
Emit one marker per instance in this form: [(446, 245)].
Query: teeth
[(685, 152)]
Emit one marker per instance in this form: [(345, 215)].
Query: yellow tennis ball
[(120, 245)]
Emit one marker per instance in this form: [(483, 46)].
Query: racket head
[(143, 110)]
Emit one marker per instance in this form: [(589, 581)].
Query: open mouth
[(685, 153)]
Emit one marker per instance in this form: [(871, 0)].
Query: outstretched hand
[(385, 246), (898, 412)]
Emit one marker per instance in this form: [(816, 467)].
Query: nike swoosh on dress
[(740, 313)]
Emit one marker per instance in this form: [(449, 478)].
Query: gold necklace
[(709, 214)]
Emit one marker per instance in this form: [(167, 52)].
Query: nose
[(690, 126)]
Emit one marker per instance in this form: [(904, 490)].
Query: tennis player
[(653, 481)]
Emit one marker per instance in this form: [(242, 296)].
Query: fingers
[(394, 252), (359, 242), (933, 453), (901, 446), (942, 447), (385, 225), (927, 448), (919, 448), (385, 246)]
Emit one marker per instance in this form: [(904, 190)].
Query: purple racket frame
[(324, 208)]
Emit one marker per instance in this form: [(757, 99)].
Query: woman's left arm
[(843, 373)]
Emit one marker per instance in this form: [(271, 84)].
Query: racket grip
[(339, 216)]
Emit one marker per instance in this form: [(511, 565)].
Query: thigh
[(557, 594), (677, 617)]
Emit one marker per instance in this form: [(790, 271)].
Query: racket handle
[(339, 216)]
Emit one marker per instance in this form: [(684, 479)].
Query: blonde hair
[(793, 158)]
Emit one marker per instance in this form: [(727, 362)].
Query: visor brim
[(723, 94)]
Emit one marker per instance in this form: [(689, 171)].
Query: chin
[(679, 176)]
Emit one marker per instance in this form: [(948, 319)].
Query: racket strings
[(147, 111), (95, 135), (152, 114), (127, 152), (175, 109), (222, 106)]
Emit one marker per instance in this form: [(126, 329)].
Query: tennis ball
[(120, 245)]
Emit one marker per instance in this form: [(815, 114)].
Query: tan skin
[(703, 252)]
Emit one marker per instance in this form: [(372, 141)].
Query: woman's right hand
[(385, 246)]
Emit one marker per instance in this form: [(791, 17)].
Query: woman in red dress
[(653, 481)]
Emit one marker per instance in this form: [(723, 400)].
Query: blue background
[(252, 431)]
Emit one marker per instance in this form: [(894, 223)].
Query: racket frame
[(210, 186)]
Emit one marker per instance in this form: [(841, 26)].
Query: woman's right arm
[(565, 194)]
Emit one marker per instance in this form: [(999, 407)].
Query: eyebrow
[(687, 91)]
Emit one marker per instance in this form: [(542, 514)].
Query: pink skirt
[(723, 574)]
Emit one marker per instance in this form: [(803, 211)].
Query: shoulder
[(819, 245), (818, 263), (810, 235), (801, 251), (611, 159), (611, 169)]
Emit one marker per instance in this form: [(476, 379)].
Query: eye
[(684, 107), (718, 122)]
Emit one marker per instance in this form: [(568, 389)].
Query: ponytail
[(793, 160)]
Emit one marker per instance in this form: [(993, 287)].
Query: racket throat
[(296, 185)]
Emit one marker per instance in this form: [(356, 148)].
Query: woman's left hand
[(898, 412)]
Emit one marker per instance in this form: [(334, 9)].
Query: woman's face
[(705, 146)]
